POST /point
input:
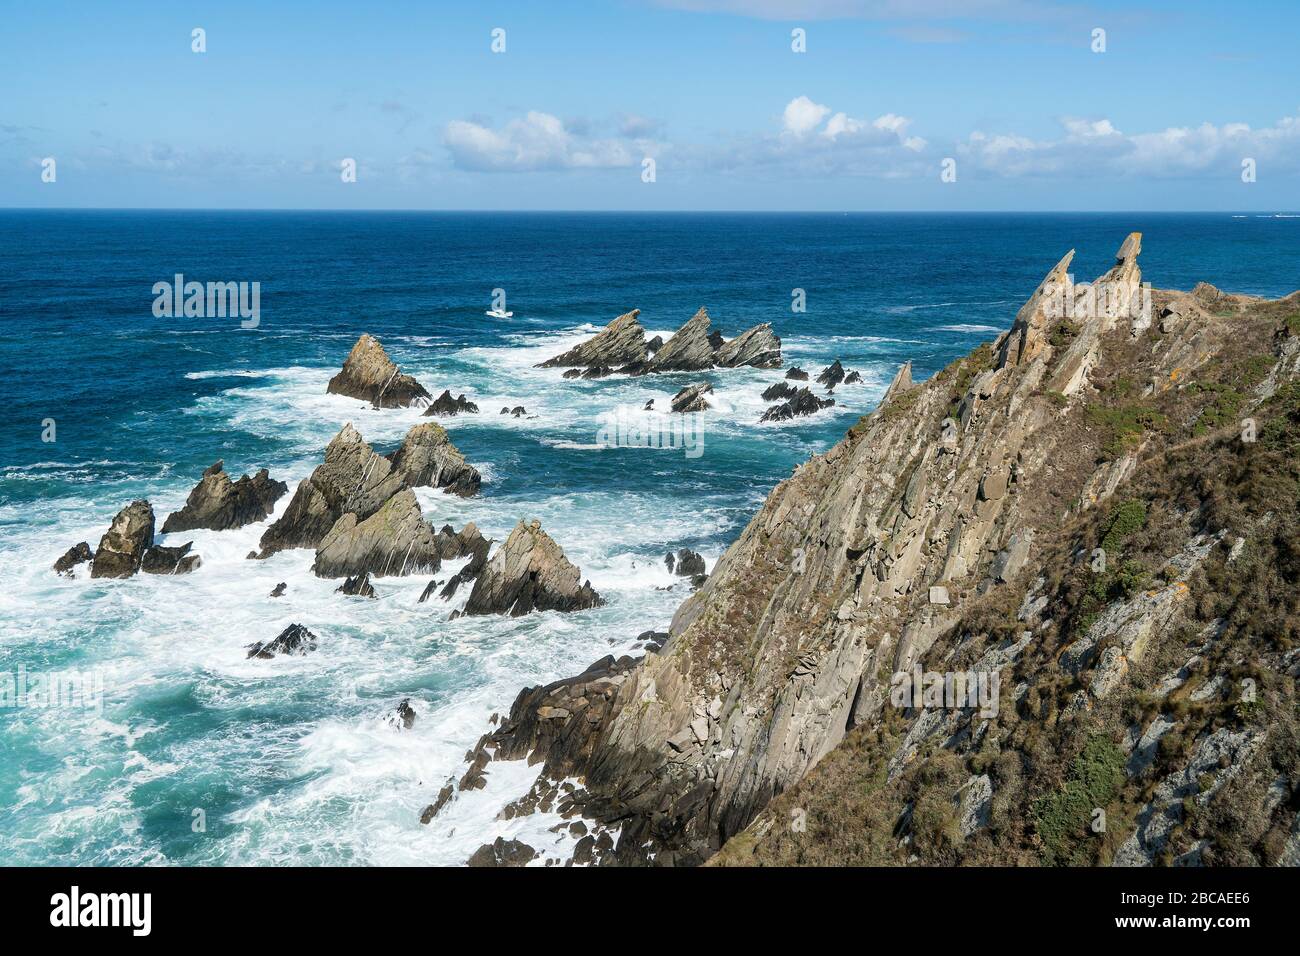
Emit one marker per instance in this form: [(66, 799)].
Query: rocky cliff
[(1080, 541)]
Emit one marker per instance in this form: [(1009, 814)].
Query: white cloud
[(537, 141), (802, 115)]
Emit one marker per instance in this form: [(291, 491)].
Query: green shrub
[(1062, 818)]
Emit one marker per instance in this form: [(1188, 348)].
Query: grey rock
[(294, 639), (620, 342), (530, 572), (428, 458), (121, 549), (370, 375)]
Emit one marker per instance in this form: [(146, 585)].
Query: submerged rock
[(279, 589), (518, 411), (758, 347), (353, 479), (370, 375), (444, 404), (803, 402), (175, 560), (529, 572), (689, 350), (121, 549), (77, 554), (428, 458), (691, 398), (620, 342), (294, 639), (218, 504), (405, 715)]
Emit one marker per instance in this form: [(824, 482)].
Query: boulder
[(655, 344), (691, 398), (530, 572), (353, 479), (164, 560), (356, 586), (797, 374), (758, 347), (779, 391), (121, 549), (803, 402), (219, 504), (502, 852), (444, 404), (405, 715), (831, 375), (620, 342), (370, 375), (294, 639), (853, 378), (687, 565), (279, 589), (518, 411), (649, 405), (394, 540), (689, 350), (428, 458), (77, 554)]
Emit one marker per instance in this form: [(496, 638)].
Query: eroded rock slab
[(529, 572), (370, 375), (218, 504), (121, 549)]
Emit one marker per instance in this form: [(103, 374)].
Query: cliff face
[(957, 529)]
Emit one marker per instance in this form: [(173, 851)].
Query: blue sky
[(711, 90)]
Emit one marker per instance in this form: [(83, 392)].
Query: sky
[(944, 105)]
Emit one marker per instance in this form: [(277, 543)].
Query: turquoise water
[(292, 760)]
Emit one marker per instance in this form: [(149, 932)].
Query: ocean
[(195, 754)]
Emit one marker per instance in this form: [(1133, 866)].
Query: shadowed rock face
[(428, 458), (831, 375), (395, 540), (353, 479), (170, 560), (758, 347), (219, 504), (619, 343), (122, 548), (691, 398), (77, 554), (529, 572), (370, 375), (779, 391), (294, 639)]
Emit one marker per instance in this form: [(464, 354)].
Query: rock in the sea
[(803, 402), (358, 586), (121, 549), (779, 391), (502, 852), (831, 375), (219, 504), (370, 375), (573, 373), (160, 559), (853, 378), (428, 458), (798, 374), (691, 398), (689, 350), (395, 540), (529, 572), (444, 404), (687, 564), (649, 405), (294, 639), (353, 479), (758, 347), (444, 797), (619, 343), (597, 371), (74, 556), (279, 589), (518, 411), (405, 715), (655, 344)]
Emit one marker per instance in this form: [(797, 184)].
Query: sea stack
[(121, 549), (219, 504), (370, 375), (622, 342), (529, 572)]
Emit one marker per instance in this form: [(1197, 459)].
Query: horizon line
[(1281, 213)]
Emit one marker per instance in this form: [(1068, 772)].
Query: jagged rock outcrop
[(758, 347), (121, 549), (219, 504), (353, 479), (779, 391), (357, 586), (502, 853), (689, 349), (619, 343), (294, 640), (686, 563), (831, 375), (797, 374), (278, 590), (445, 405), (161, 559), (691, 398), (77, 554), (529, 572), (970, 485), (427, 457), (395, 540), (370, 375), (802, 402)]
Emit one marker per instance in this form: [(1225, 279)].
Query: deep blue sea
[(195, 754)]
